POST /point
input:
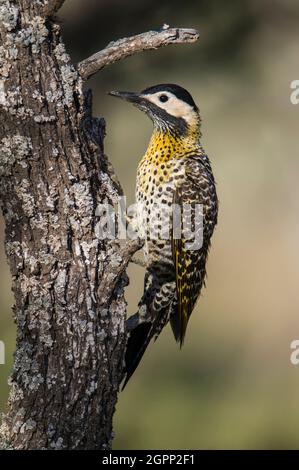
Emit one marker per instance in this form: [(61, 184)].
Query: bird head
[(170, 107)]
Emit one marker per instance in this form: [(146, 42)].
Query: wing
[(195, 194)]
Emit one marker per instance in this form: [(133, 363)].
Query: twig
[(136, 260), (128, 250), (52, 6), (125, 253), (126, 47)]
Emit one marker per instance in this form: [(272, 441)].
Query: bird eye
[(163, 98)]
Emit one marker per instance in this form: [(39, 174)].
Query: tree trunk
[(68, 284)]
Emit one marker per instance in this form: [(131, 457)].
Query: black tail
[(138, 341)]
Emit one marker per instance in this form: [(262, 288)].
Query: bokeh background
[(232, 385)]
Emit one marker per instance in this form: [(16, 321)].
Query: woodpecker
[(175, 171)]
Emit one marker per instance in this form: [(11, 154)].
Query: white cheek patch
[(174, 106)]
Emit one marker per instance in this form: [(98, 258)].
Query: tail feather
[(138, 341), (178, 326)]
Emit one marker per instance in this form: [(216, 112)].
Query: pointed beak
[(127, 96)]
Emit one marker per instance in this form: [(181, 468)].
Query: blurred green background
[(232, 385)]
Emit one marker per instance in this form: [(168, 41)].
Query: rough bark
[(68, 285)]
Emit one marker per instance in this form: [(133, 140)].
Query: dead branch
[(119, 50)]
